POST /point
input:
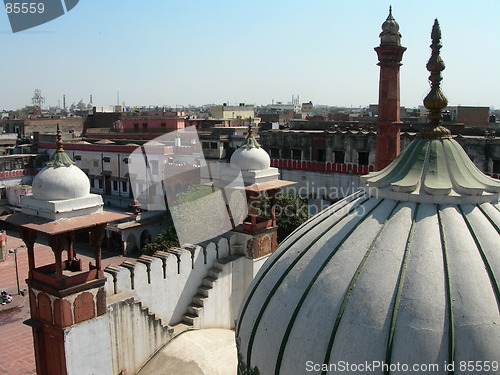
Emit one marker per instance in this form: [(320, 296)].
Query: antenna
[(38, 99)]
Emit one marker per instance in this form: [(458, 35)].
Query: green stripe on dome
[(318, 274), (399, 290), (292, 265), (484, 258), (448, 285), (60, 159), (284, 246)]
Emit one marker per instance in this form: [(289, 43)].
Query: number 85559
[(24, 8)]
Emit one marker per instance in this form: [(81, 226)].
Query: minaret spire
[(390, 53), (435, 101)]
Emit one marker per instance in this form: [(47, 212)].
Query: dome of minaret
[(403, 273), (390, 31), (250, 155), (60, 179)]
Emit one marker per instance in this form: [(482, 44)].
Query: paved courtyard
[(16, 340)]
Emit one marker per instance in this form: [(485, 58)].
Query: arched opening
[(145, 238), (131, 244)]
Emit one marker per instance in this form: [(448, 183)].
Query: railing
[(318, 166)]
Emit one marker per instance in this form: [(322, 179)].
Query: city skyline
[(199, 52)]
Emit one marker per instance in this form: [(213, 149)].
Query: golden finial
[(59, 142), (435, 100)]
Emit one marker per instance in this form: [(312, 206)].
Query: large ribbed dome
[(379, 279), (405, 273), (58, 183)]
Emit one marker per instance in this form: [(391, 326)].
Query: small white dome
[(58, 183), (250, 159)]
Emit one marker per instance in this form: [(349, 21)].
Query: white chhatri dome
[(58, 183), (250, 156), (61, 190), (249, 159), (405, 273)]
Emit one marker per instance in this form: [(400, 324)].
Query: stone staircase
[(194, 309), (156, 322)]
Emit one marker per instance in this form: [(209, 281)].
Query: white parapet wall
[(166, 282)]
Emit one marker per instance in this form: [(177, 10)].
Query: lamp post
[(14, 251)]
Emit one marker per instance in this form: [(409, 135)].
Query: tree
[(291, 212), (163, 241)]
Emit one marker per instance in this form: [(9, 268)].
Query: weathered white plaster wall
[(88, 347), (136, 334)]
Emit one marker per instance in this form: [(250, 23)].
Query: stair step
[(194, 310), (214, 272), (198, 299), (204, 290), (209, 281), (189, 319)]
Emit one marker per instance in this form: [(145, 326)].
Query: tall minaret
[(390, 52)]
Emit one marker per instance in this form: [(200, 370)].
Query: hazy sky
[(180, 52)]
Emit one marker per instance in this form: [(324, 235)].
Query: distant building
[(470, 116), (307, 108), (26, 128), (227, 112)]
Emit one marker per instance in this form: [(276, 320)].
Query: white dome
[(58, 183), (250, 159), (373, 278)]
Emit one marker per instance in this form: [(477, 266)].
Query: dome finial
[(390, 31), (250, 141), (59, 158), (435, 100), (249, 129), (59, 142)]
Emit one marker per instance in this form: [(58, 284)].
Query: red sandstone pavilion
[(66, 292), (390, 52)]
